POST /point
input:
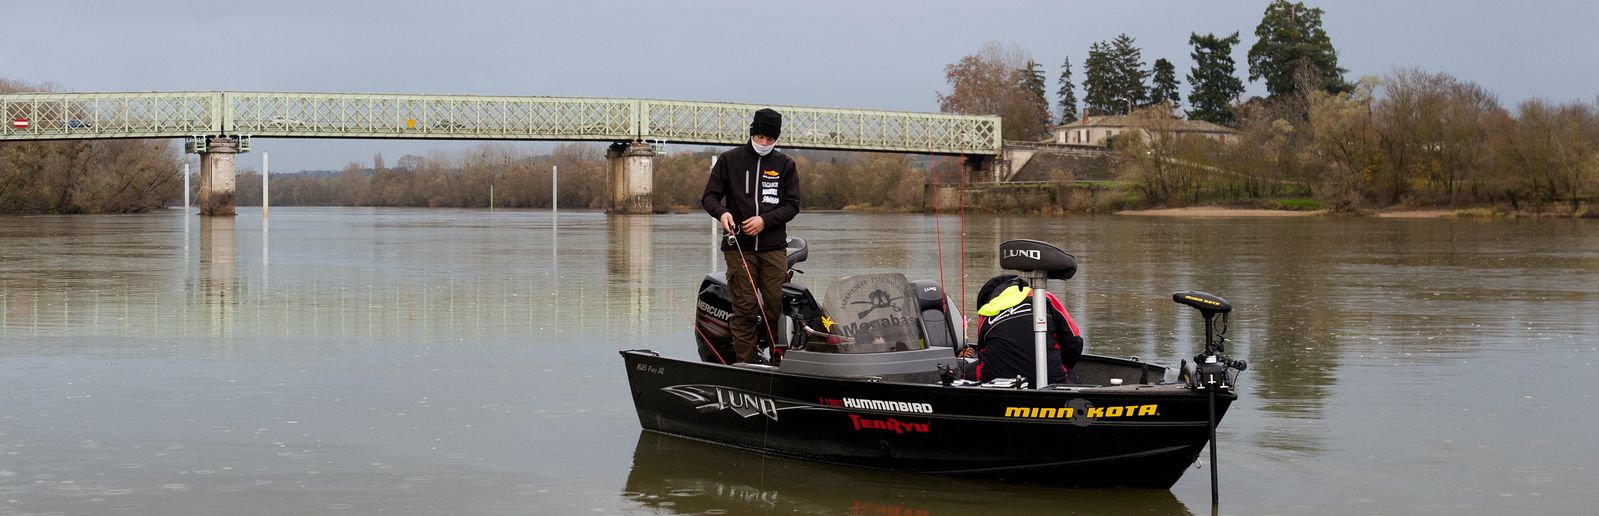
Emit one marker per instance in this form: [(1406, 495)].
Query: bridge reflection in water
[(389, 273)]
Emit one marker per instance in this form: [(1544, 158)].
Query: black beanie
[(767, 123)]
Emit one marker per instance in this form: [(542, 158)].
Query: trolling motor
[(1210, 367)]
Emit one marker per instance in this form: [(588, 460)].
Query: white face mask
[(762, 150)]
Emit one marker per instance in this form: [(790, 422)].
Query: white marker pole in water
[(266, 176), (555, 188), (714, 225), (185, 211)]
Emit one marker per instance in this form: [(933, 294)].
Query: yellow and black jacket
[(1005, 338)]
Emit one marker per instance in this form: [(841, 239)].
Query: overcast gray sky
[(875, 54)]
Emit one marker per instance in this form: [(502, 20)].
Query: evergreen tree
[(1099, 84), (1213, 85), (1113, 77), (1033, 104), (1165, 85), (1067, 93), (1293, 51), (1129, 73)]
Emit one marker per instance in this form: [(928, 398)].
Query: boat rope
[(708, 344)]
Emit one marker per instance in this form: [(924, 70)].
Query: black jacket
[(1005, 344), (747, 184)]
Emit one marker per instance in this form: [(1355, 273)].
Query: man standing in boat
[(754, 191), (1005, 346)]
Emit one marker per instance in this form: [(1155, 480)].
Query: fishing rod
[(756, 291)]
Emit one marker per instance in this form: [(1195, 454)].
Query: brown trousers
[(769, 269)]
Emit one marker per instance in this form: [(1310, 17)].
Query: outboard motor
[(714, 309)]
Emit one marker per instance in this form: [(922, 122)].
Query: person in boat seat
[(1005, 334), (754, 191)]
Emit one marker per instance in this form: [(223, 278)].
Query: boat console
[(864, 317), (875, 326)]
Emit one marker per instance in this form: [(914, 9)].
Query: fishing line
[(708, 344), (756, 290), (771, 378), (938, 232), (962, 195)]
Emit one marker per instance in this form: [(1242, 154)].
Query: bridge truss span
[(823, 128), (59, 116), (336, 115)]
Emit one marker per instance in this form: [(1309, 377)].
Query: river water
[(407, 361)]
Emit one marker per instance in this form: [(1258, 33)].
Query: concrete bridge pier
[(217, 176), (630, 169), (981, 169)]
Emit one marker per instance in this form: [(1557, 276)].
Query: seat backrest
[(797, 249), (931, 300)]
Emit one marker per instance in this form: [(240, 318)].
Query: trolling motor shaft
[(1210, 367)]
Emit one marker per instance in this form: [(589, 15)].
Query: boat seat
[(1025, 255), (935, 322)]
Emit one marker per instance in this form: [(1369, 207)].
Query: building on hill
[(1095, 130)]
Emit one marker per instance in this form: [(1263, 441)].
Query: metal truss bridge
[(198, 114)]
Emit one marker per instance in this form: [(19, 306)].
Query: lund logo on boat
[(1082, 413), (713, 398), (890, 424), (1030, 253)]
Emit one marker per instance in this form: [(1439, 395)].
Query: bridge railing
[(847, 129), (48, 116)]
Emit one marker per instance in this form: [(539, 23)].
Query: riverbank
[(1423, 213), (1218, 211)]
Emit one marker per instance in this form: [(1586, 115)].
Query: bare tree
[(989, 83), (1347, 144)]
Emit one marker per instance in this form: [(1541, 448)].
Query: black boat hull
[(1132, 435)]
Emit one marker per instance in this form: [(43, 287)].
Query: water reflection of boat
[(880, 394), (682, 476)]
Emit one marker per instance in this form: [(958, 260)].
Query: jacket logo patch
[(769, 173)]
